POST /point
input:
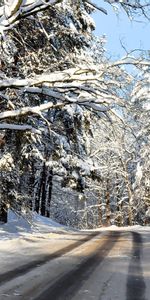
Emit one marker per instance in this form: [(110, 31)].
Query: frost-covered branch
[(73, 75), (92, 4), (19, 127), (13, 10), (24, 111), (132, 61), (70, 75), (133, 8)]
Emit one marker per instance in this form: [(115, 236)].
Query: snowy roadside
[(42, 227), (21, 242), (18, 226)]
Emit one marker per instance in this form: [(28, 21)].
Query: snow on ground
[(18, 226), (23, 243)]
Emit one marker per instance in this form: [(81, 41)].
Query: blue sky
[(134, 35)]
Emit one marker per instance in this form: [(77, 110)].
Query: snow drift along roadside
[(18, 226)]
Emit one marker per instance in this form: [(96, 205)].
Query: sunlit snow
[(18, 226)]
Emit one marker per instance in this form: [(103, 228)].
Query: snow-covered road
[(61, 264)]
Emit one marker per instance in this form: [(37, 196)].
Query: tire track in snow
[(66, 286), (23, 269), (135, 289)]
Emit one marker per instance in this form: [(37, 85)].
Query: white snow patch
[(18, 226)]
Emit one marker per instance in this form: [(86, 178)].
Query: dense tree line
[(70, 144)]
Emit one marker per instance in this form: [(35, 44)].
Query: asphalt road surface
[(111, 265)]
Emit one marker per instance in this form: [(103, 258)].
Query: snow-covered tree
[(54, 78)]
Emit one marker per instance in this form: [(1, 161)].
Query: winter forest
[(74, 123)]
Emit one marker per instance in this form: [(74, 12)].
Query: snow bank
[(18, 226)]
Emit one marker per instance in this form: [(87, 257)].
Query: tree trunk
[(119, 219), (43, 191), (31, 186), (40, 196), (3, 213), (108, 213), (129, 190), (99, 210), (50, 183)]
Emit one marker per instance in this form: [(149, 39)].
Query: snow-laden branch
[(36, 110), (96, 107), (131, 61), (48, 92), (13, 10), (73, 75), (70, 75), (100, 97), (19, 127), (86, 80), (96, 6)]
